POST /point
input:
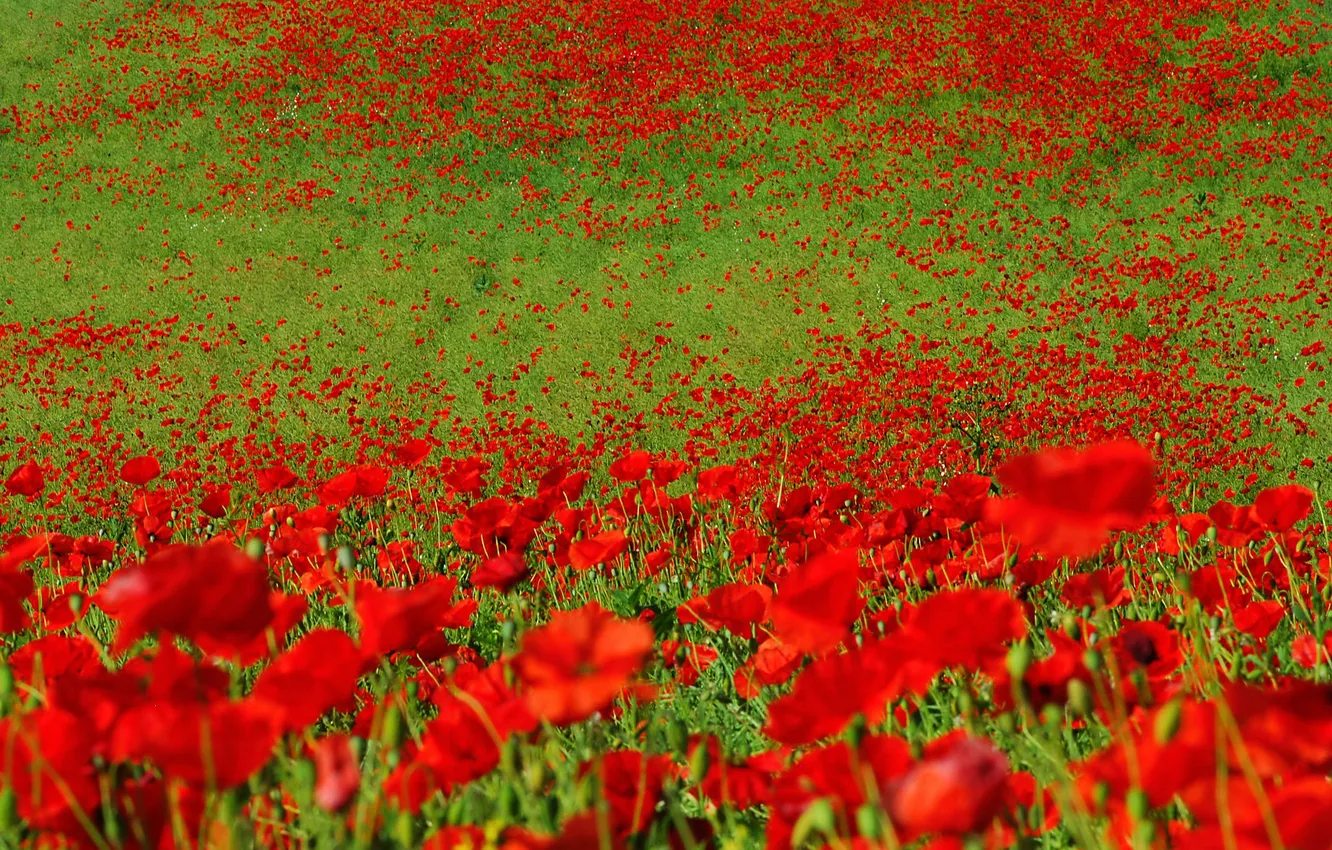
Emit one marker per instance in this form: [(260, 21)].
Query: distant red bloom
[(632, 784), (47, 758), (1098, 587), (216, 501), (213, 591), (577, 664), (502, 571), (691, 660), (220, 744), (1065, 502), (337, 776), (718, 483), (832, 690), (816, 604), (274, 478), (316, 674), (26, 481), (412, 453), (1279, 508), (363, 481), (598, 550), (140, 470), (15, 586), (399, 619), (734, 607), (969, 627), (630, 467), (771, 664), (958, 788)]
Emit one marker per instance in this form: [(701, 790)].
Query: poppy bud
[(818, 819), (1051, 716), (1144, 834), (1211, 535), (1072, 627), (1093, 660), (1101, 795), (1118, 550), (390, 504), (1137, 803), (1019, 660), (699, 762), (1167, 721), (391, 732), (535, 777), (346, 560), (254, 547), (677, 736), (1007, 723), (869, 822), (856, 731), (1079, 698)]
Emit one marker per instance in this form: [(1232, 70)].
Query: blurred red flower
[(816, 604), (337, 776), (213, 591), (140, 470), (26, 481), (577, 664), (1066, 502)]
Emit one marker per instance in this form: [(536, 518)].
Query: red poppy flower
[(316, 674), (631, 783), (399, 619), (412, 453), (598, 550), (577, 664), (1065, 503), (816, 604), (1096, 588), (958, 788), (1279, 508), (47, 758), (221, 744), (15, 586), (213, 591), (337, 775), (26, 481), (274, 478), (968, 628), (831, 691), (140, 470), (771, 664), (736, 608), (630, 467), (216, 501), (502, 571)]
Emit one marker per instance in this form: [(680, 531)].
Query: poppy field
[(629, 424)]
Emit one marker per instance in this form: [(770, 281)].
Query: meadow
[(618, 424)]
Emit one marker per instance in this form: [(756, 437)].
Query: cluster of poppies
[(1059, 648)]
